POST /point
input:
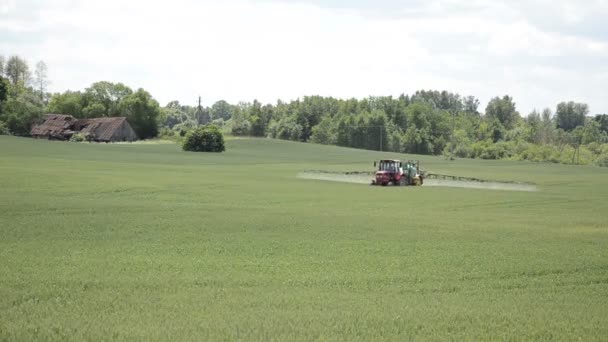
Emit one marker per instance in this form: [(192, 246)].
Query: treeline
[(24, 99), (426, 122)]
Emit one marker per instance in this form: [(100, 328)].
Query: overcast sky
[(539, 51)]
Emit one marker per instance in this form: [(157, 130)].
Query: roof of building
[(53, 124), (102, 128)]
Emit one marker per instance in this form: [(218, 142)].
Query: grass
[(146, 242)]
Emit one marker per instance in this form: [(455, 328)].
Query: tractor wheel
[(402, 181), (417, 182)]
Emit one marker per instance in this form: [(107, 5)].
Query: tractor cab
[(395, 172)]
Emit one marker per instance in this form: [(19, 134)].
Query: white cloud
[(241, 50)]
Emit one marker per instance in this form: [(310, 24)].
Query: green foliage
[(221, 110), (204, 139), (4, 129), (80, 137), (104, 98), (325, 132), (21, 110), (503, 110), (602, 120), (258, 118), (142, 112), (570, 115), (71, 103), (602, 160), (4, 86), (17, 71), (241, 126), (287, 128)]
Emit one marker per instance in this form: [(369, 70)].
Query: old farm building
[(62, 127)]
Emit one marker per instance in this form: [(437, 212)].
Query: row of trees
[(426, 122), (24, 99)]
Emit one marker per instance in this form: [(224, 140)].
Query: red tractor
[(395, 172)]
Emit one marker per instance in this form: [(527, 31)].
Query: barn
[(54, 126), (106, 129), (63, 127)]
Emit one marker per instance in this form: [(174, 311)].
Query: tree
[(287, 128), (503, 109), (4, 129), (2, 63), (547, 127), (3, 91), (534, 123), (204, 139), (104, 99), (142, 112), (570, 115), (221, 109), (602, 119), (71, 103), (173, 114), (325, 132), (309, 113), (470, 105), (41, 78), (17, 71), (21, 109), (256, 117)]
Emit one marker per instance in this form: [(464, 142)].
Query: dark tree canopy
[(570, 115), (602, 119)]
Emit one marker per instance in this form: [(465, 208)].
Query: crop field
[(146, 242)]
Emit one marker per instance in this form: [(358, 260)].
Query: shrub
[(4, 129), (80, 137), (204, 139), (241, 127), (602, 160)]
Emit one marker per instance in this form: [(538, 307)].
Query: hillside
[(145, 241)]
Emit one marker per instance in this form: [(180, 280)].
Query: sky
[(538, 51)]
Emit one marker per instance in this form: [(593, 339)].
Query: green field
[(146, 242)]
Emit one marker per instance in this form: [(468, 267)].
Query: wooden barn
[(62, 127), (54, 126), (106, 129)]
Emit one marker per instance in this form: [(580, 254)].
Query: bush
[(80, 137), (602, 160), (204, 139), (4, 129), (241, 127)]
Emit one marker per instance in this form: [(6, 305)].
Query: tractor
[(395, 172)]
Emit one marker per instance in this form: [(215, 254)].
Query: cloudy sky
[(539, 51)]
